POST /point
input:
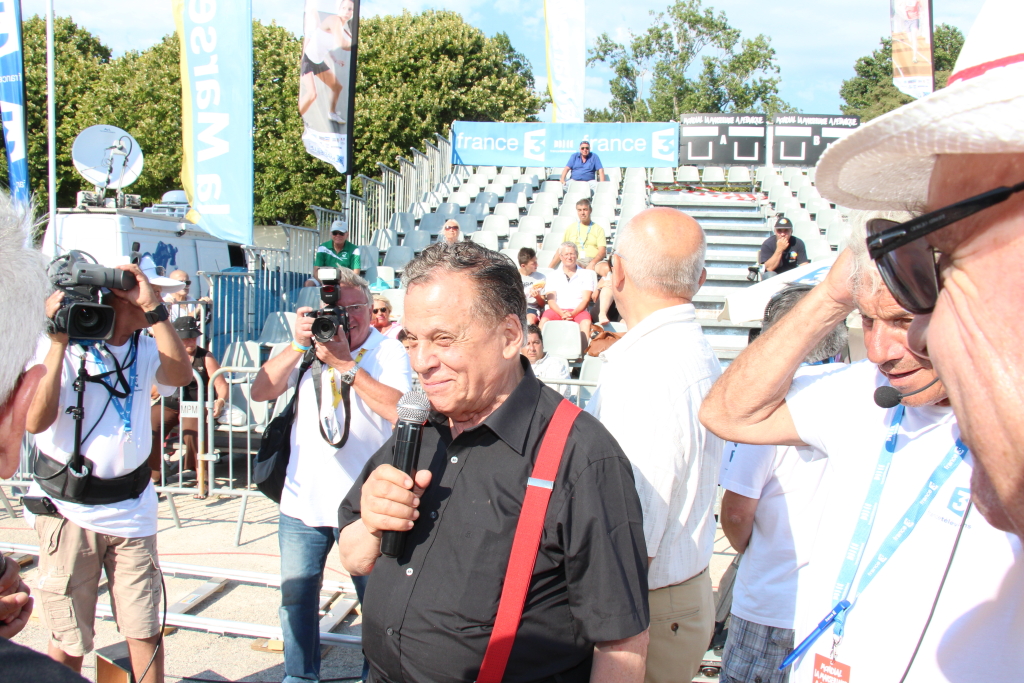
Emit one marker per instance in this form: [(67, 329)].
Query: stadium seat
[(713, 175), (477, 211), (605, 203), (538, 171), (532, 223), (542, 211), (614, 176), (836, 233), (277, 328), (606, 190), (369, 255), (568, 208), (431, 199), (511, 254), (444, 189), (590, 371), (497, 224), (615, 327), (552, 241), (477, 180), (432, 223), (827, 216), (397, 257), (771, 180), (386, 273), (417, 240), (396, 297), (419, 209), (510, 211), (798, 181), (467, 224), (779, 192), (634, 186), (544, 256), (798, 214), (503, 180), (525, 188), (630, 200), (687, 174), (560, 223), (402, 222), (448, 209), (604, 219), (517, 197), (635, 173), (663, 176), (818, 248), (806, 230), (463, 199), (580, 187), (625, 216), (519, 239), (806, 193), (513, 171), (246, 354), (453, 180), (384, 239), (490, 199), (810, 174), (547, 199), (739, 175), (789, 172), (486, 239), (552, 186), (488, 171), (760, 172), (563, 338)]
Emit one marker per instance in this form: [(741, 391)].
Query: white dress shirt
[(553, 367), (650, 390)]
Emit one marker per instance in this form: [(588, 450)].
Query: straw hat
[(887, 163)]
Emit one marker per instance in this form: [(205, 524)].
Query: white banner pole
[(51, 116)]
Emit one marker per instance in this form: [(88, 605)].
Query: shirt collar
[(683, 313), (372, 341), (511, 421)]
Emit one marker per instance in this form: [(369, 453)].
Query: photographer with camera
[(347, 404), (92, 502)]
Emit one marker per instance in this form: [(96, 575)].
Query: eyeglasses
[(381, 310), (451, 227), (187, 282), (354, 308), (585, 149), (908, 264)]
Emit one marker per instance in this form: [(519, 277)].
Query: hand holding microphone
[(413, 409)]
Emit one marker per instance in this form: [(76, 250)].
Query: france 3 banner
[(327, 80), (216, 114), (912, 71), (12, 100), (653, 145)]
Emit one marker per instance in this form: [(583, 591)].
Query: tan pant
[(682, 621), (70, 562)]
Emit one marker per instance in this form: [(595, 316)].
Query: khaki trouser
[(682, 621)]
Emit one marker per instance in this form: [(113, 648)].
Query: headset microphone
[(890, 397)]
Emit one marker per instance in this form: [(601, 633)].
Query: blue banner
[(12, 99), (652, 145), (216, 114)]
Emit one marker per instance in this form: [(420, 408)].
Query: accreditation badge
[(829, 671)]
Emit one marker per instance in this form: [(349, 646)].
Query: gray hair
[(350, 278), (783, 301), (24, 287), (571, 245), (499, 284), (651, 270), (865, 280)]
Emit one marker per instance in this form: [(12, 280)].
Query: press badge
[(829, 671)]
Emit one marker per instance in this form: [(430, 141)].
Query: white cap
[(339, 226), (155, 275)]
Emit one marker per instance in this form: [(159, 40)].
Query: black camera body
[(332, 317), (81, 315)]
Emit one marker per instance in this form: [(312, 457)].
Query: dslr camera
[(332, 316), (81, 315)]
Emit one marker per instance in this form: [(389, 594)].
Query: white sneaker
[(336, 117)]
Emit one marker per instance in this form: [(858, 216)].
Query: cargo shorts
[(71, 560)]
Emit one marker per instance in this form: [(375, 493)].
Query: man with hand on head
[(894, 521), (347, 404), (23, 290), (430, 613), (659, 266), (111, 523)]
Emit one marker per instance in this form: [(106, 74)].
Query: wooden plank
[(190, 601), (339, 610), (327, 597), (275, 647)]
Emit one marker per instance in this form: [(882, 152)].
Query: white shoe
[(334, 116)]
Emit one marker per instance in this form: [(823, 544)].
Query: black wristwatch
[(157, 315)]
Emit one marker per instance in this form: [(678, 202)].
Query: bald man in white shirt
[(665, 359)]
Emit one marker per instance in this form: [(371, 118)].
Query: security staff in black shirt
[(428, 614), (781, 251)]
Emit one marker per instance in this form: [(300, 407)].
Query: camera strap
[(346, 396), (122, 389)]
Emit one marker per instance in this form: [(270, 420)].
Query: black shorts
[(308, 66)]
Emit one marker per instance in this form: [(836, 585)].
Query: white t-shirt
[(835, 413), (528, 282), (553, 367), (320, 476), (569, 290), (113, 451), (788, 484)]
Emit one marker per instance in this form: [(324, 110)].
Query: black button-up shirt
[(427, 616)]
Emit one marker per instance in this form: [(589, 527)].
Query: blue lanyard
[(586, 237), (123, 407), (865, 522)]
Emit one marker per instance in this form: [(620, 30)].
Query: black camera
[(331, 316), (81, 315)]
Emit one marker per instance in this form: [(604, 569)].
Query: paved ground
[(207, 538)]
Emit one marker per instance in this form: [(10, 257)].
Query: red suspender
[(526, 543)]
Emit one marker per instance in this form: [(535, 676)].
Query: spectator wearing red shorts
[(569, 291)]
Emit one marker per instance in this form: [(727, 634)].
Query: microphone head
[(414, 406), (887, 397)]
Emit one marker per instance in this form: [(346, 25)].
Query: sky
[(816, 44)]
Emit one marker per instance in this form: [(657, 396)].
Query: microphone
[(890, 397), (413, 409)]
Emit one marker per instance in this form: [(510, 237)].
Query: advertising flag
[(12, 99), (216, 114), (912, 71), (566, 49), (328, 78)]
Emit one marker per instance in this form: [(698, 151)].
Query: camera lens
[(88, 320), (324, 329)]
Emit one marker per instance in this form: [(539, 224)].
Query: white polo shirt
[(651, 387), (320, 476), (568, 290)]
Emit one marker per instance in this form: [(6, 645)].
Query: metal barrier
[(393, 193), (301, 244), (410, 181)]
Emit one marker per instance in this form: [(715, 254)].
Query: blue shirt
[(583, 170)]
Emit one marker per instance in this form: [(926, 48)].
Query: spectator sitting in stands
[(337, 252), (604, 305), (403, 337), (533, 284), (584, 166), (781, 251), (569, 290), (205, 364), (589, 238), (180, 303), (382, 318), (451, 231), (545, 365)]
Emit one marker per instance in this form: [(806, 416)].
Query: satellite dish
[(107, 157)]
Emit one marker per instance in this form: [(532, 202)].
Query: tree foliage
[(871, 92), (417, 74), (736, 73)]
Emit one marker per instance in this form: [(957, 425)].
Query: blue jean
[(304, 552)]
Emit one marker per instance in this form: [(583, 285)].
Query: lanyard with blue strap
[(583, 243), (122, 399), (855, 551)]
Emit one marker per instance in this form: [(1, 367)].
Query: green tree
[(736, 74), (871, 92)]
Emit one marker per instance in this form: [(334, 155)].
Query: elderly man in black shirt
[(428, 614)]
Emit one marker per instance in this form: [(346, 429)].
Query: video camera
[(331, 316), (81, 315)]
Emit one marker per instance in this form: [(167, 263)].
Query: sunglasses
[(451, 227), (380, 310), (908, 264)]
